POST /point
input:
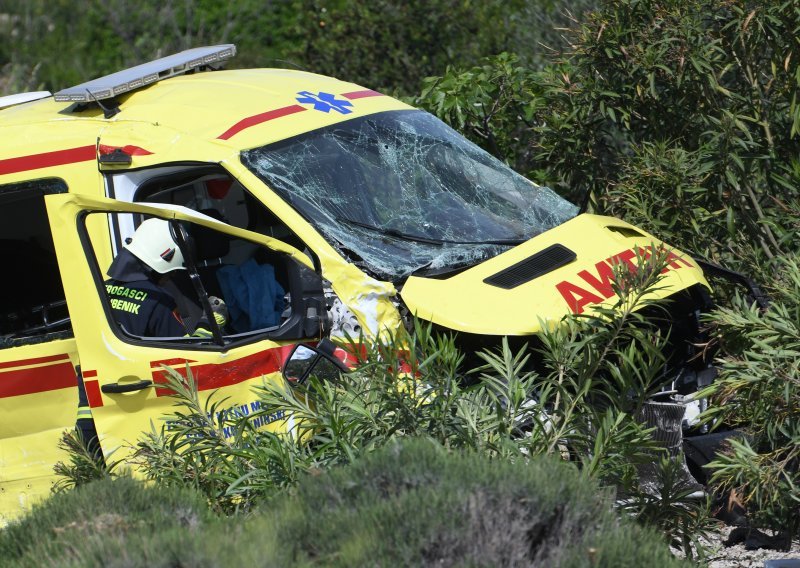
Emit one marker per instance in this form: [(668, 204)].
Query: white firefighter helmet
[(153, 244)]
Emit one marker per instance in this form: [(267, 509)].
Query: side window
[(33, 307), (207, 189), (159, 292)]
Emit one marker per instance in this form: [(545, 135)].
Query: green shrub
[(414, 504), (581, 408), (759, 390), (409, 504), (195, 452), (381, 44), (116, 522), (86, 463)]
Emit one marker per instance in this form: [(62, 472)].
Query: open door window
[(32, 304), (266, 288)]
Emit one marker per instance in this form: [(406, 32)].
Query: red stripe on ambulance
[(258, 119), (129, 149), (19, 382), (47, 159), (35, 361), (361, 94), (93, 394), (213, 376)]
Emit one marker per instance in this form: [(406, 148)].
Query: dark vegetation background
[(383, 44), (679, 116)]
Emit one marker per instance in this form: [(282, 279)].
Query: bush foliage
[(759, 390), (111, 523), (382, 44), (430, 507), (408, 504)]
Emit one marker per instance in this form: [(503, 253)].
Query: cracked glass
[(401, 193)]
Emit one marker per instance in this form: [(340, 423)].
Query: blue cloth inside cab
[(253, 295)]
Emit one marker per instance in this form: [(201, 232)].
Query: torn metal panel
[(369, 301)]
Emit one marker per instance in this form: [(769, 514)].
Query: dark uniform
[(139, 305), (143, 308)]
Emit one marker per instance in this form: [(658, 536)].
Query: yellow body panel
[(464, 302), (38, 400)]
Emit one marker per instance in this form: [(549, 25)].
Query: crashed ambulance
[(335, 210)]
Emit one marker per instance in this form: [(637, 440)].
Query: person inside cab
[(137, 287)]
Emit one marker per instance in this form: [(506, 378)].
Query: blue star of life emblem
[(324, 102)]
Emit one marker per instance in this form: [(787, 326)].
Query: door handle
[(116, 388)]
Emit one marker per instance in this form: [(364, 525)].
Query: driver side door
[(122, 373)]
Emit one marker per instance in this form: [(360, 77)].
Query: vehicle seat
[(211, 248)]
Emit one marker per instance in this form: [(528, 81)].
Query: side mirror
[(306, 360)]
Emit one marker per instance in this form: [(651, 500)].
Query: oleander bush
[(759, 391)]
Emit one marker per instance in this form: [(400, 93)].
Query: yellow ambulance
[(317, 208)]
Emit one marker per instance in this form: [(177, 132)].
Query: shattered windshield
[(400, 193)]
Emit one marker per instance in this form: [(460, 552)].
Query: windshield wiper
[(420, 239)]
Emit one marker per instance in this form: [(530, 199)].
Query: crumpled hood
[(568, 269)]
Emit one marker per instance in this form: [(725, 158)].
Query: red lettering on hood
[(604, 284), (577, 298), (601, 284)]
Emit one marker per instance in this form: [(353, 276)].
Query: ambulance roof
[(237, 108)]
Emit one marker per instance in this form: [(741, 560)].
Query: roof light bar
[(146, 74)]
